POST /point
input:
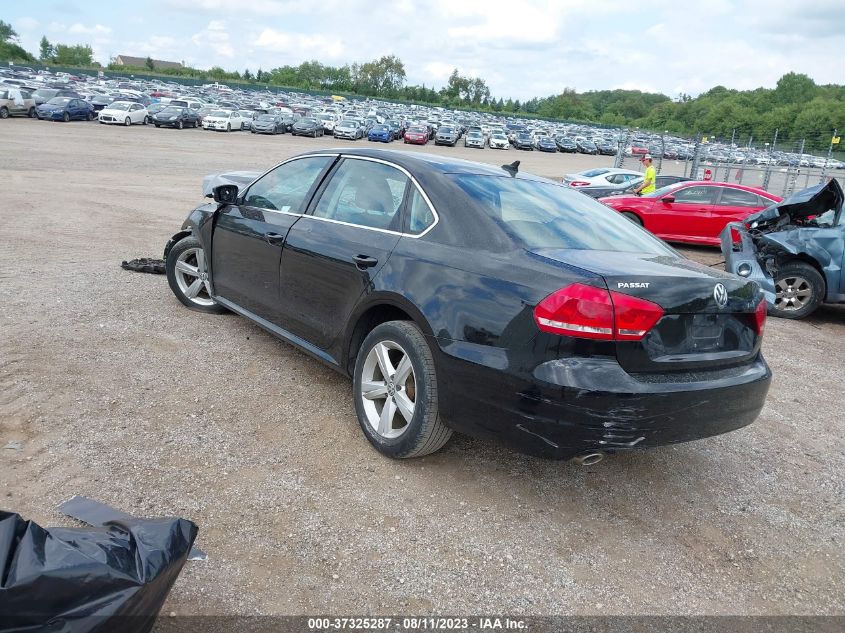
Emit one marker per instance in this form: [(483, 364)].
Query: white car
[(498, 140), (601, 177), (226, 120), (124, 113)]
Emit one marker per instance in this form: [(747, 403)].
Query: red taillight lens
[(634, 316), (577, 310), (736, 239), (760, 317), (596, 313), (578, 183)]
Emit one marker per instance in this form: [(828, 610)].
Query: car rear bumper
[(575, 405)]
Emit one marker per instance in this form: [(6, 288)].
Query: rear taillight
[(760, 317), (578, 183), (596, 313)]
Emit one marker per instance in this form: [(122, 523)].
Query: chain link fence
[(779, 167)]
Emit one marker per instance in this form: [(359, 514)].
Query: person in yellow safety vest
[(650, 177)]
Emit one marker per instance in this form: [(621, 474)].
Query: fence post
[(827, 159), (662, 152), (794, 173), (696, 158), (768, 175), (620, 152)]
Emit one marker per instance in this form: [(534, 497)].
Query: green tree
[(8, 35), (46, 50), (795, 88), (76, 55), (149, 63), (247, 76)]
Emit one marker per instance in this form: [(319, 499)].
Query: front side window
[(365, 193), (694, 195), (286, 187)]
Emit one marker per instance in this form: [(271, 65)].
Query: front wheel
[(179, 125), (799, 290), (65, 117), (31, 113), (228, 127), (187, 275), (127, 122), (395, 391), (90, 116)]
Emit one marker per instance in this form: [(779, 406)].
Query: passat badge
[(720, 294)]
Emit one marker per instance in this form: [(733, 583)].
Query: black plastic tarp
[(87, 580)]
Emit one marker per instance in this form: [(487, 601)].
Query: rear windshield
[(545, 215)]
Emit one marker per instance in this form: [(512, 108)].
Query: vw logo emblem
[(720, 294)]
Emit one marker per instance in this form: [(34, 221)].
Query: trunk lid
[(708, 319)]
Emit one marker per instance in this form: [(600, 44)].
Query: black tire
[(90, 116), (179, 125), (633, 217), (31, 113), (4, 113), (65, 117), (170, 267), (146, 120), (196, 124), (127, 122), (157, 125), (228, 127), (426, 432), (800, 276)]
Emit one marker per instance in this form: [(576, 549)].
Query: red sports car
[(416, 135), (693, 211)]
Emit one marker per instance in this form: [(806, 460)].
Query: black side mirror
[(225, 194), (668, 199)]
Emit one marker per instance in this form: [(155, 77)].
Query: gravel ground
[(119, 393)]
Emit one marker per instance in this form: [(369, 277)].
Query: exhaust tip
[(588, 459)]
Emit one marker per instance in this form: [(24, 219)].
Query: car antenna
[(512, 168)]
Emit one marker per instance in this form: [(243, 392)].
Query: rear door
[(683, 213), (248, 238), (733, 205), (332, 254)]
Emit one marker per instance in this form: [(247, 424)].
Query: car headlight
[(173, 118)]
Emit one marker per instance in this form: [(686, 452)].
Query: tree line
[(797, 108)]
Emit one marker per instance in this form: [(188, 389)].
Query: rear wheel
[(4, 112), (90, 116), (395, 390), (633, 217), (31, 113), (187, 275), (799, 290)]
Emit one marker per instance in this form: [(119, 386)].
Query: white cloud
[(300, 46), (81, 29), (26, 23), (214, 39)]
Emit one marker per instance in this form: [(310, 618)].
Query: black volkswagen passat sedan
[(461, 296)]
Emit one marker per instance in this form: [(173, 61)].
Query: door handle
[(364, 261), (274, 238)]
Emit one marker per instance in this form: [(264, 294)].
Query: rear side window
[(544, 215), (365, 193), (285, 188), (739, 198), (420, 216)]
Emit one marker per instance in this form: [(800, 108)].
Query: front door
[(333, 254), (248, 238), (683, 213)]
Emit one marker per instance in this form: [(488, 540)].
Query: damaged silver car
[(794, 249)]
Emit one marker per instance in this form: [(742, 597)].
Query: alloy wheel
[(388, 389), (792, 293), (192, 276)]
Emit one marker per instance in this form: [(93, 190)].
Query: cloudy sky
[(522, 48)]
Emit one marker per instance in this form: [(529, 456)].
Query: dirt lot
[(119, 393)]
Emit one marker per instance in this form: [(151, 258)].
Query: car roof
[(734, 185), (421, 161)]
